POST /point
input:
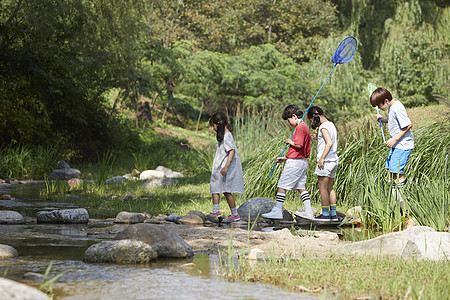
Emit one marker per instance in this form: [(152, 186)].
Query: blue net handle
[(345, 50)]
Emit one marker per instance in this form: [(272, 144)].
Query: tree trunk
[(199, 116)]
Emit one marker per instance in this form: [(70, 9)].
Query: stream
[(63, 246)]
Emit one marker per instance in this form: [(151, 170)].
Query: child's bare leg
[(216, 208), (331, 191), (323, 189), (215, 198), (230, 200), (232, 204)]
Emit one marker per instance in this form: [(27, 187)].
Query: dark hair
[(379, 95), (221, 120), (292, 110), (314, 113)]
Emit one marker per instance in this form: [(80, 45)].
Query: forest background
[(89, 76)]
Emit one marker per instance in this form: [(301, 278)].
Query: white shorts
[(294, 174), (329, 169)]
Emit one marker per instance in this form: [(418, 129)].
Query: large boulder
[(64, 216), (10, 289), (151, 174), (64, 174), (166, 243), (168, 172), (418, 242), (7, 252), (11, 217), (120, 251), (253, 208), (158, 182)]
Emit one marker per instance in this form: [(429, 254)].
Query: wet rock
[(418, 242), (166, 243), (33, 276), (253, 208), (10, 289), (64, 174), (5, 186), (63, 216), (159, 182), (173, 218), (7, 251), (213, 218), (5, 197), (148, 174), (11, 217), (129, 218), (191, 220), (120, 251)]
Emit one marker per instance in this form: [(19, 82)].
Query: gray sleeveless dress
[(233, 181)]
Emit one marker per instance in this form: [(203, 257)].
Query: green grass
[(349, 277)]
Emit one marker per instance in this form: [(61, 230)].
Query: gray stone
[(253, 208), (5, 197), (6, 186), (11, 217), (198, 214), (418, 242), (159, 182), (10, 289), (33, 276), (173, 218), (7, 251), (167, 244), (64, 174), (62, 165), (129, 218), (213, 218), (63, 216), (116, 179), (120, 251)]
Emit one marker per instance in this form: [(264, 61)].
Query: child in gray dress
[(226, 174)]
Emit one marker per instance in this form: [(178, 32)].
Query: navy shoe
[(322, 218), (334, 218)]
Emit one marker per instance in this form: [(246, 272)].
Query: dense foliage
[(70, 69)]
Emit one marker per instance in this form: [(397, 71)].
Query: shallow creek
[(64, 246)]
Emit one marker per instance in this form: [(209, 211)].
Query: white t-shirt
[(332, 155), (398, 119)]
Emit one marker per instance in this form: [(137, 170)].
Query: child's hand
[(391, 142), (224, 171), (290, 142), (314, 136), (379, 117), (320, 163), (281, 159)]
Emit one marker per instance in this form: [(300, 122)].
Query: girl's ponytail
[(221, 121), (314, 113)]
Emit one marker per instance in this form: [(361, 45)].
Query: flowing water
[(63, 246)]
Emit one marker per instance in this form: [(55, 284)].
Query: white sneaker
[(275, 214), (305, 215)]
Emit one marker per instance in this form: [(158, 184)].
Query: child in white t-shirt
[(401, 141), (327, 162)]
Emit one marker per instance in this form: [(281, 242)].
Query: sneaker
[(305, 215), (322, 218), (234, 218), (334, 218), (275, 214), (217, 214)]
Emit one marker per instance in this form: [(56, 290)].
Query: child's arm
[(393, 140), (281, 159), (328, 145), (292, 144), (227, 164), (380, 117)]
